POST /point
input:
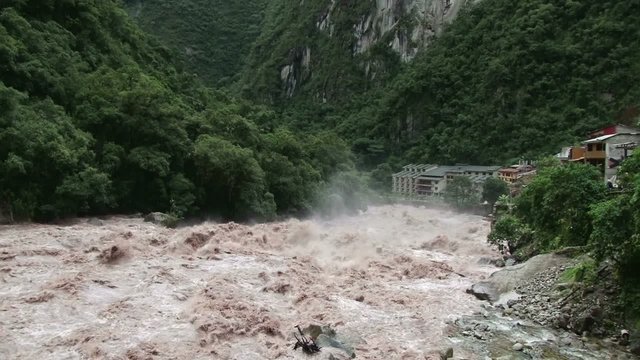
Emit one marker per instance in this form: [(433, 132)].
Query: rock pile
[(537, 301), (573, 306)]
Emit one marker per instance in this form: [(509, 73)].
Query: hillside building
[(571, 154), (608, 151), (431, 180), (513, 173)]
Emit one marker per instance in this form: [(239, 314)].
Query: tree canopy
[(97, 118)]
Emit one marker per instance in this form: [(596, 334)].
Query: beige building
[(428, 180)]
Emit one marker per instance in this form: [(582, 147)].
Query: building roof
[(599, 139), (479, 179), (434, 171), (509, 170), (480, 168), (607, 137), (414, 170)]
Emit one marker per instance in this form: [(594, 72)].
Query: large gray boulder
[(157, 218), (506, 280)]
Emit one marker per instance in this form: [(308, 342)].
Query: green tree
[(556, 204), (461, 193), (511, 229), (616, 221), (231, 176), (492, 189), (381, 177)]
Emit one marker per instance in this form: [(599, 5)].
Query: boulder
[(506, 280), (156, 217), (517, 347), (163, 219), (446, 354), (583, 323), (95, 222), (484, 291)]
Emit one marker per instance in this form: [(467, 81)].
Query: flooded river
[(390, 282)]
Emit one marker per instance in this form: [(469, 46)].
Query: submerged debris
[(308, 346), (112, 254)]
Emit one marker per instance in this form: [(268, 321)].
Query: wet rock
[(483, 291), (517, 347), (446, 354), (584, 323), (360, 298), (95, 222), (113, 254), (508, 311), (324, 340), (566, 341), (511, 277), (624, 337), (510, 262), (157, 218)]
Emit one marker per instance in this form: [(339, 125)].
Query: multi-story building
[(608, 151), (430, 180), (571, 154)]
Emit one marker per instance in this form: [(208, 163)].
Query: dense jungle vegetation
[(211, 37), (569, 206), (506, 79), (95, 118), (99, 116)]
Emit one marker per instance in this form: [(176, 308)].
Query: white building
[(429, 180)]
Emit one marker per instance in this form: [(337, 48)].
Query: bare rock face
[(507, 279), (429, 17), (406, 26)]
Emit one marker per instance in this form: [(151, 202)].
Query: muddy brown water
[(389, 281)]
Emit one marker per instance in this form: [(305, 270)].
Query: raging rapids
[(390, 281)]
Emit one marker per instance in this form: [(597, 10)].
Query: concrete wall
[(613, 154)]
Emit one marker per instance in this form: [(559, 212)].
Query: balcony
[(595, 155)]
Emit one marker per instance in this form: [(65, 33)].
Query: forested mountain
[(99, 116), (94, 118), (504, 79), (446, 81), (513, 78), (211, 37)]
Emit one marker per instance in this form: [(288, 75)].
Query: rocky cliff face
[(325, 41), (406, 25)]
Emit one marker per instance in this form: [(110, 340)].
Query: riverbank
[(545, 309)]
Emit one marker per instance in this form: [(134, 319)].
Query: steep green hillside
[(325, 51), (513, 78), (505, 79), (95, 118), (212, 37)]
